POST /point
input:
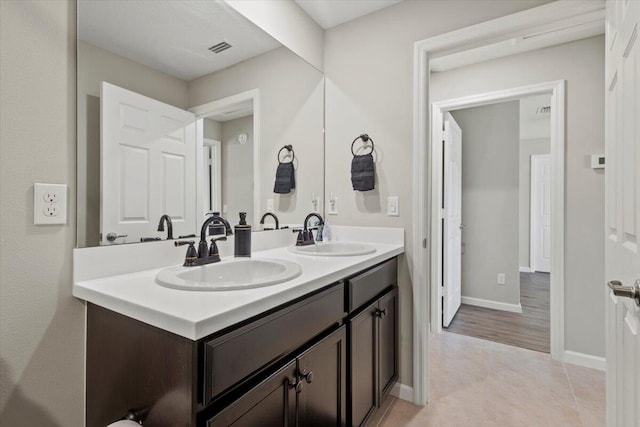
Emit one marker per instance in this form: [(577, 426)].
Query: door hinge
[(443, 213), (424, 243)]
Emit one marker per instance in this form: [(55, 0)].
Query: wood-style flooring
[(527, 330)]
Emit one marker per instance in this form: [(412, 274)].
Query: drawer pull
[(381, 313)]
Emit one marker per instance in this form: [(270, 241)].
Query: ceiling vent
[(220, 47), (543, 110)]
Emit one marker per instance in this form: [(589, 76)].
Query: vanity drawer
[(232, 358), (366, 286)]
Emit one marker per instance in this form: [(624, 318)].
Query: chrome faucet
[(272, 215), (305, 236), (215, 219), (166, 218)]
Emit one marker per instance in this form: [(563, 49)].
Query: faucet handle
[(192, 254), (213, 248)]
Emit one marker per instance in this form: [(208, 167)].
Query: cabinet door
[(363, 342), (388, 341), (270, 403), (321, 371)]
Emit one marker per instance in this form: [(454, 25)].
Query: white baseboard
[(526, 270), (403, 392), (496, 305), (585, 360)]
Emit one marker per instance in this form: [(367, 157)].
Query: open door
[(540, 213), (148, 166), (622, 211), (452, 251)]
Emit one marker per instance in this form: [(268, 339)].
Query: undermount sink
[(333, 249), (229, 275)]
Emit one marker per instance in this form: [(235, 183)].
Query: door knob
[(111, 237), (626, 291)]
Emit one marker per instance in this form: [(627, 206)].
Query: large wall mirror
[(186, 107)]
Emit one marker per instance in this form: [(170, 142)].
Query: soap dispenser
[(242, 247)]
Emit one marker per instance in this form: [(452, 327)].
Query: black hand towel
[(363, 174), (285, 178)]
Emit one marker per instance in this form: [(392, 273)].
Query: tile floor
[(481, 383)]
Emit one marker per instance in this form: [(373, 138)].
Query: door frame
[(533, 204), (215, 152), (568, 15), (220, 106), (557, 91)]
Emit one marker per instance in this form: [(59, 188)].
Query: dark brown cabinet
[(373, 340), (308, 391), (325, 359), (271, 403)]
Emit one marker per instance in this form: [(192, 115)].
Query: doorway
[(556, 193), (495, 207)]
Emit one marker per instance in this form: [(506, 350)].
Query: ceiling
[(329, 13), (172, 36)]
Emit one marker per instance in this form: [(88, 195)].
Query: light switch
[(333, 205), (393, 208), (269, 205), (49, 204), (501, 279)]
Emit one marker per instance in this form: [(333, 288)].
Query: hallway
[(475, 382), (527, 330)]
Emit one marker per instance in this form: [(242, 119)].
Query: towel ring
[(289, 148), (365, 138)]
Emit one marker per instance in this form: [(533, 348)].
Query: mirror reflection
[(183, 108)]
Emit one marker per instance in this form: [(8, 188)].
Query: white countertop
[(196, 314)]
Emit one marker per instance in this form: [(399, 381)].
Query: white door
[(541, 213), (148, 166), (452, 251), (622, 190)]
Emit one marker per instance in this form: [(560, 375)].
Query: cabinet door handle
[(381, 313), (297, 385), (307, 375)]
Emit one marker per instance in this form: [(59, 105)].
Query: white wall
[(237, 169), (41, 324), (490, 136), (291, 105), (212, 129), (369, 71), (581, 64), (97, 65)]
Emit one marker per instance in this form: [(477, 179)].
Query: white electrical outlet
[(49, 204), (501, 279), (269, 205), (393, 208), (333, 205)]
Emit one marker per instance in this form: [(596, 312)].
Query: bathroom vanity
[(323, 351)]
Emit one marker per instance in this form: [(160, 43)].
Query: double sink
[(248, 273)]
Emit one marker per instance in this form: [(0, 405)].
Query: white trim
[(496, 305), (220, 106), (526, 270), (402, 391), (215, 158), (487, 32), (585, 360)]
